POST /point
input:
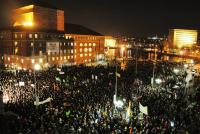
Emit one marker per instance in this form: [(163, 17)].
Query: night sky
[(124, 17)]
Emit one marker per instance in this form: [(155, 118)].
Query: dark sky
[(125, 17)]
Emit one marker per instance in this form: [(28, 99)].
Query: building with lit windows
[(182, 38), (39, 35), (88, 45)]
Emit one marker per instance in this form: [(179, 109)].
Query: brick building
[(38, 36)]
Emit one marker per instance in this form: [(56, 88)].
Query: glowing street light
[(158, 81), (37, 67)]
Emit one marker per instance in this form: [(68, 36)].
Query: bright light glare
[(37, 67), (28, 24), (185, 65), (181, 52), (122, 48), (118, 103), (158, 81)]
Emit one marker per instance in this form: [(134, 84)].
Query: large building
[(38, 17), (88, 45), (38, 35), (182, 38)]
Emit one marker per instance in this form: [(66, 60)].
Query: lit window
[(21, 35), (75, 56), (85, 49), (72, 51), (22, 60), (16, 43), (90, 49), (81, 55), (16, 50), (86, 54), (94, 44), (40, 52), (64, 57), (85, 44), (81, 50), (8, 58), (81, 44), (68, 57), (61, 58), (90, 44), (32, 44), (72, 57), (75, 51), (53, 58), (40, 60), (32, 61), (72, 44), (90, 54), (57, 58), (36, 36), (15, 35), (30, 36), (85, 60)]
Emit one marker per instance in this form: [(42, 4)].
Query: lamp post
[(154, 66), (37, 67)]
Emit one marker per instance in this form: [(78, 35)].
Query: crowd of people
[(82, 101)]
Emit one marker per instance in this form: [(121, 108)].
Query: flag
[(118, 75), (37, 102), (58, 79), (143, 109), (67, 113), (128, 112)]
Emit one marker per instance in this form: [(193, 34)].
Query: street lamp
[(158, 81), (37, 67)]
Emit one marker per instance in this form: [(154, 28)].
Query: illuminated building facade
[(37, 17), (182, 38), (38, 36)]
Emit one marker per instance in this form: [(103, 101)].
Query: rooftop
[(79, 29), (41, 3)]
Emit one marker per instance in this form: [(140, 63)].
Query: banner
[(21, 84), (37, 102), (143, 109), (118, 75)]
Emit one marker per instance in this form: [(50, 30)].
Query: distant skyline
[(125, 17)]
